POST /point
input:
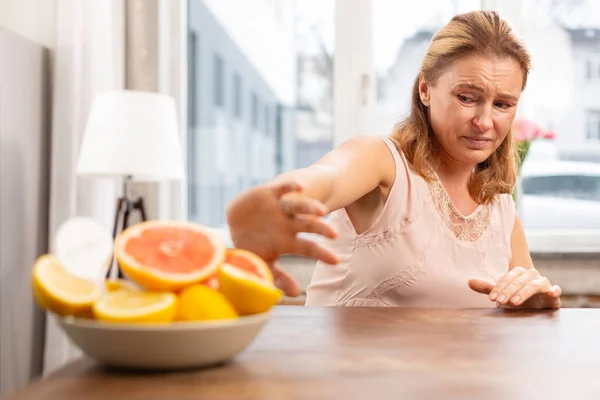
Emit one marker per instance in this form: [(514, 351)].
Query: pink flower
[(525, 130), (550, 135)]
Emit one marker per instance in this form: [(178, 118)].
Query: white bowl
[(163, 347)]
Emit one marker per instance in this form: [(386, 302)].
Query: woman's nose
[(483, 119)]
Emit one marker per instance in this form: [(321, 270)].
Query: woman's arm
[(345, 174), (520, 256), (522, 286), (267, 219)]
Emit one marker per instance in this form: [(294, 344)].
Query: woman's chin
[(474, 157)]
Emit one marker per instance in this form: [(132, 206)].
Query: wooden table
[(375, 353)]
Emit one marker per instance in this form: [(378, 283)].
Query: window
[(593, 68), (192, 157), (260, 93), (593, 125), (218, 82), (237, 95), (254, 101), (267, 121), (293, 94)]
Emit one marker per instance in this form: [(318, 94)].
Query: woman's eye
[(502, 106), (464, 98)]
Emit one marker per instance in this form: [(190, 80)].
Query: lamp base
[(125, 207)]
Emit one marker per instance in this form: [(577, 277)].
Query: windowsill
[(564, 242), (567, 256)]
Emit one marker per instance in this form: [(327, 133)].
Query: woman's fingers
[(311, 249), (555, 291), (285, 281), (508, 285), (285, 187), (481, 286), (295, 205), (310, 224), (531, 288)]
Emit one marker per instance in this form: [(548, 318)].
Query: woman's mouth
[(477, 142)]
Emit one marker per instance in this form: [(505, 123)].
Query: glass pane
[(563, 96), (274, 58)]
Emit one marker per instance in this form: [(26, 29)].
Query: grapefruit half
[(246, 281), (169, 255)]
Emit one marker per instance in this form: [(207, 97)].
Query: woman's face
[(472, 106)]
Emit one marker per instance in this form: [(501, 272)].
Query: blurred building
[(314, 112), (241, 77), (580, 128)]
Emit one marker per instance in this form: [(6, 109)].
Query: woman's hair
[(481, 33)]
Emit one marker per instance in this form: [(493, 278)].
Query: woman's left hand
[(520, 287)]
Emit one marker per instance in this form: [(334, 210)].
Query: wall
[(32, 19), (24, 196)]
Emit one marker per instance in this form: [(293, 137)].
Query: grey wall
[(24, 197)]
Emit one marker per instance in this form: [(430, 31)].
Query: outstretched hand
[(520, 287), (267, 219)]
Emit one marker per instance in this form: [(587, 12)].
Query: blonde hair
[(476, 33)]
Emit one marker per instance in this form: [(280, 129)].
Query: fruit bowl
[(163, 347), (188, 301)]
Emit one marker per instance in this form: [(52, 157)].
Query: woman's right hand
[(267, 219)]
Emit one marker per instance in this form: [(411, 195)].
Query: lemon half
[(131, 306), (60, 292)]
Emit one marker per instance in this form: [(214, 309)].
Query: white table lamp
[(132, 136)]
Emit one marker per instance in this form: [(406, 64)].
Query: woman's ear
[(424, 91)]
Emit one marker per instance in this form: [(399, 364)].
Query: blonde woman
[(425, 217)]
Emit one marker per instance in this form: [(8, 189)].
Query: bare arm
[(519, 249), (522, 286), (347, 173), (266, 219)]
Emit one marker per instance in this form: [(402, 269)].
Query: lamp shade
[(131, 133)]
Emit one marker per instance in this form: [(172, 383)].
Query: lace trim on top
[(466, 228)]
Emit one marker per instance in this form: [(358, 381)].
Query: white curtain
[(88, 59)]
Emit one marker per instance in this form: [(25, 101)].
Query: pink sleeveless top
[(420, 251)]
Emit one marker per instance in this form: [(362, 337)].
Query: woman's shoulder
[(506, 200), (506, 208), (370, 140)]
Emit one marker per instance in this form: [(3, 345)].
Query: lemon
[(115, 284), (125, 305), (60, 292), (202, 303), (248, 293)]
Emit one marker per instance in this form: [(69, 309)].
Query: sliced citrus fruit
[(212, 281), (123, 305), (169, 255), (116, 284), (247, 282), (84, 248), (202, 303), (61, 292), (249, 262)]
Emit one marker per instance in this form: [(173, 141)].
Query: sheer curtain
[(88, 59), (103, 45)]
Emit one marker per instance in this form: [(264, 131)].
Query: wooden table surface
[(375, 353)]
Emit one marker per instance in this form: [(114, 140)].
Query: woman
[(424, 218)]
